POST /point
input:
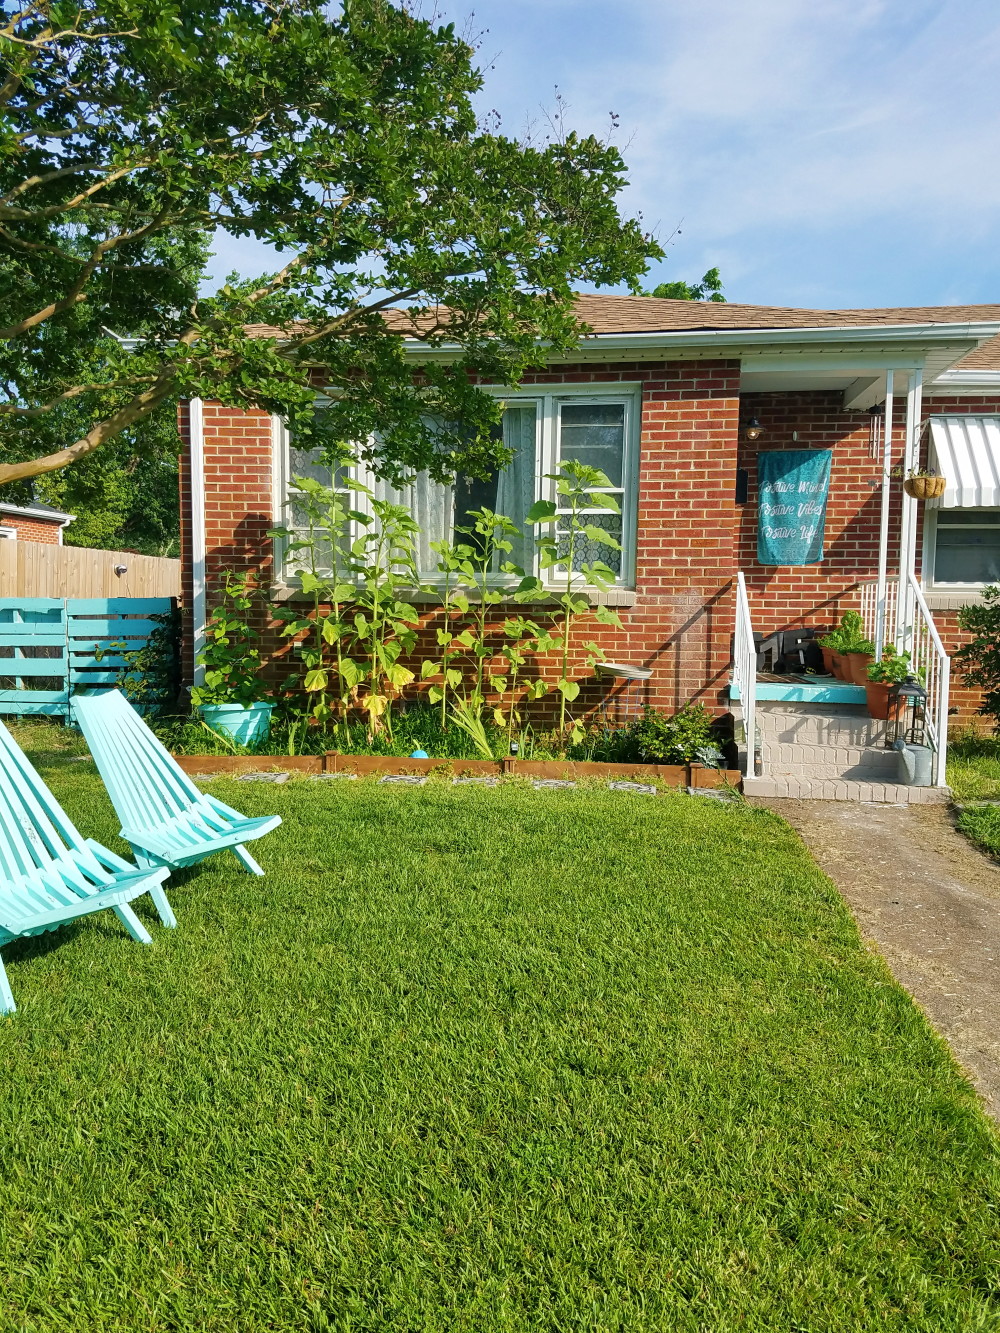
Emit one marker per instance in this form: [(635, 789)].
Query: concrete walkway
[(930, 903)]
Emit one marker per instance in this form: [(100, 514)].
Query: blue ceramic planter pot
[(242, 724)]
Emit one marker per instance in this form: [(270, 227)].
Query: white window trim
[(929, 553), (547, 397), (9, 534)]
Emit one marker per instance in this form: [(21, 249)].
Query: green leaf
[(542, 511), (569, 689), (607, 616), (428, 668), (600, 536), (315, 680), (398, 676)]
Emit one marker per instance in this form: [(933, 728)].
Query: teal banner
[(792, 488)]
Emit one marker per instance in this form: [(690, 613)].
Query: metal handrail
[(745, 673), (910, 625), (928, 653)]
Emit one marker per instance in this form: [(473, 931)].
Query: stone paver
[(406, 779), (262, 777), (930, 903)]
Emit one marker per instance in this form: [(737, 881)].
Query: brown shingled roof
[(650, 314)]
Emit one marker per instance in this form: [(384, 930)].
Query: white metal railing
[(910, 626), (745, 673)]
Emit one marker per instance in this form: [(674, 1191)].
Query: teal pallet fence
[(52, 647)]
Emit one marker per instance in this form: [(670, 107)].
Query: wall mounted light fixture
[(753, 430)]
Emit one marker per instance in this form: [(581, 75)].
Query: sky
[(821, 153)]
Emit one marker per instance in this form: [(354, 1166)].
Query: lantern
[(907, 713)]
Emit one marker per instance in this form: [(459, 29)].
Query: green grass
[(974, 767), (480, 1061)]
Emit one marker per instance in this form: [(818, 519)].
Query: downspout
[(883, 540), (196, 427)]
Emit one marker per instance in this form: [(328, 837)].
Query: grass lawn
[(974, 775), (485, 1062)]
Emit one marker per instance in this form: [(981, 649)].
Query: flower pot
[(243, 724), (837, 663), (925, 488), (857, 667), (827, 660), (881, 705)]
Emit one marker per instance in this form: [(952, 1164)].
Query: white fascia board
[(881, 340), (955, 383), (49, 515)]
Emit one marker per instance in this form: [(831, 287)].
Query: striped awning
[(966, 450)]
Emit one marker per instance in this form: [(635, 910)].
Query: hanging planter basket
[(925, 488)]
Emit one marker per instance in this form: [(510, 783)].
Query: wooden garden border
[(672, 775)]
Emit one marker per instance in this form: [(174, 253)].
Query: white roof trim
[(52, 515), (967, 450)]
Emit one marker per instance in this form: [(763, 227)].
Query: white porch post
[(196, 425), (908, 517), (883, 539)]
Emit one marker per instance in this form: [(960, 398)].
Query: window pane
[(586, 551), (967, 548), (594, 433)]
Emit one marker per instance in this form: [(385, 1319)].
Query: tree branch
[(76, 293), (140, 406), (12, 409)]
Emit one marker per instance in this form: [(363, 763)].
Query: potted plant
[(924, 485), (883, 677), (839, 643), (232, 700), (858, 656)]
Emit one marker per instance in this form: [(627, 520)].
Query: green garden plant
[(231, 655), (580, 494), (894, 668), (324, 562), (979, 659)]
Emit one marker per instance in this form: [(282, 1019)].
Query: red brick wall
[(692, 537), (32, 529), (681, 624), (787, 597)]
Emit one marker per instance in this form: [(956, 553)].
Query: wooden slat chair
[(165, 818), (49, 874)]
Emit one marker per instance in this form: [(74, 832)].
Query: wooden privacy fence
[(50, 647), (35, 569)]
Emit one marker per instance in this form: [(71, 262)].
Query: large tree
[(133, 130)]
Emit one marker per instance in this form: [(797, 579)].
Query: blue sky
[(820, 152)]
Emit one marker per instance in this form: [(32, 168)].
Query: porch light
[(753, 430)]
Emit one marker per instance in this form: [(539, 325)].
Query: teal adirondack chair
[(165, 818), (49, 874)]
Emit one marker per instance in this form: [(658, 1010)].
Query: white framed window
[(544, 426), (8, 534), (961, 548)]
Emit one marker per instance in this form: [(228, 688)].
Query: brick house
[(33, 523), (661, 394)]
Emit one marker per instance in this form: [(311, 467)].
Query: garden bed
[(671, 775)]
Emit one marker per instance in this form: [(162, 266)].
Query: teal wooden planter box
[(242, 724)]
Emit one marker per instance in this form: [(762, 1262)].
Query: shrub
[(979, 659)]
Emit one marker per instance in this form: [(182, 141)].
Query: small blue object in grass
[(420, 754)]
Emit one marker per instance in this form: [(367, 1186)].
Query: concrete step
[(820, 728), (833, 760), (834, 789)]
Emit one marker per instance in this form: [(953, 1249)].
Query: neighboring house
[(661, 395), (33, 523)]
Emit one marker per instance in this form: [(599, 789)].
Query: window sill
[(620, 597), (950, 599)]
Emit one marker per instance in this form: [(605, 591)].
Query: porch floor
[(807, 689)]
